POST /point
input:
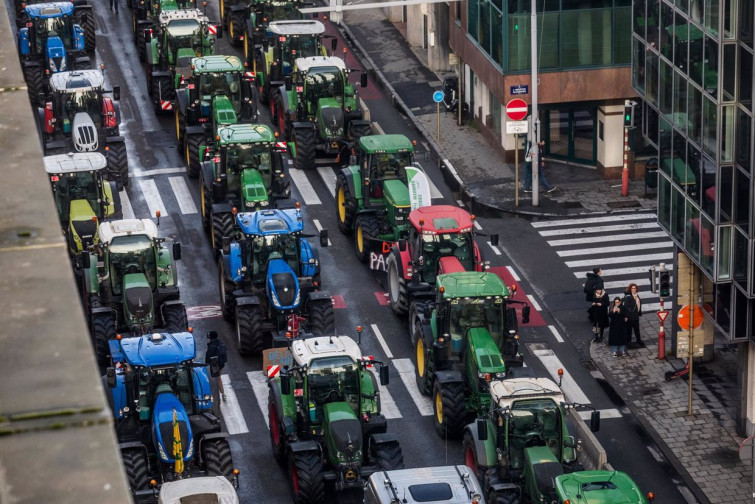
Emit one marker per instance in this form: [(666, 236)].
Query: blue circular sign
[(438, 96)]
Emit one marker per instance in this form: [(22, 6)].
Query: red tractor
[(441, 240)]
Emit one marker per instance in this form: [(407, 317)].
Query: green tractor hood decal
[(486, 353), (223, 110), (396, 193), (253, 188), (338, 411), (137, 300), (168, 5), (184, 53), (330, 117), (343, 433), (599, 487), (82, 226)]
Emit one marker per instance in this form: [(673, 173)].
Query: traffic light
[(629, 114), (664, 289)]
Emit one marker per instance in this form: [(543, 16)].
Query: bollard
[(661, 342)]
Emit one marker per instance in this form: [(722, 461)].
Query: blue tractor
[(163, 408), (49, 41), (269, 278)]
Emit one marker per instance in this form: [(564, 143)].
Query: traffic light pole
[(535, 133), (625, 168)]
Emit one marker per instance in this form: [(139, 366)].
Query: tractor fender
[(359, 122), (143, 24), (479, 265), (182, 99), (350, 173), (114, 139), (115, 210), (304, 446), (103, 310), (317, 295), (24, 46), (307, 252), (382, 438), (117, 108), (484, 450), (449, 376), (218, 208), (132, 445), (161, 73), (171, 303), (285, 102), (404, 258), (209, 436), (208, 174), (246, 300), (81, 5), (303, 125), (31, 63), (368, 211), (237, 7), (499, 486), (274, 386), (194, 130)]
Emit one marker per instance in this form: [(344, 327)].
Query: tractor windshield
[(478, 312), (255, 156), (131, 254), (534, 422), (82, 101), (300, 46), (333, 379), (151, 382), (385, 166), (183, 27), (324, 82), (222, 84), (435, 246), (75, 186), (53, 27), (265, 248), (277, 9)]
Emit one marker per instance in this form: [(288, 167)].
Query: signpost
[(437, 98), (516, 110)]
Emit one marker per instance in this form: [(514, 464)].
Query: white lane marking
[(379, 336), (388, 406), (183, 196), (599, 229), (611, 250), (687, 494), (434, 192), (604, 414), (621, 260), (533, 302), (513, 273), (157, 171), (232, 415), (319, 228), (306, 191), (653, 451), (128, 211), (477, 226), (329, 178), (552, 363), (495, 249), (405, 370), (607, 272), (152, 197), (259, 386), (555, 333), (460, 203), (591, 220), (609, 238), (378, 129)]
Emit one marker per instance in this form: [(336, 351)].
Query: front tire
[(136, 464), (162, 90), (86, 20), (366, 230), (175, 319), (216, 454), (103, 330), (222, 225), (397, 290), (304, 139), (421, 366), (249, 329), (388, 456), (277, 437), (226, 286), (117, 164), (322, 317), (345, 206), (307, 477), (192, 155), (449, 409), (34, 81), (235, 23)]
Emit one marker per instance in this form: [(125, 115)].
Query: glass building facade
[(692, 62)]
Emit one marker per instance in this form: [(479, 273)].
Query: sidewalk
[(702, 447)]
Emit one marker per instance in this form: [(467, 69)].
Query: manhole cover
[(623, 204)]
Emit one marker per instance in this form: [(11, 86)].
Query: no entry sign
[(516, 109)]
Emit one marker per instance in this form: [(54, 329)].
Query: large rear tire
[(345, 206), (136, 464), (34, 81), (249, 329), (117, 164), (307, 477), (86, 21), (192, 154), (322, 317), (103, 330), (226, 287), (304, 139), (277, 437), (216, 454), (162, 90), (175, 318), (366, 230), (235, 28), (421, 366), (388, 456), (222, 225), (357, 131), (397, 291), (470, 456), (449, 409), (205, 204)]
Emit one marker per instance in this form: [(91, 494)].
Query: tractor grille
[(285, 288), (87, 135), (332, 119), (347, 436), (139, 301), (166, 432), (86, 230)]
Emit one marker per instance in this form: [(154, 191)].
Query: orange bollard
[(661, 343)]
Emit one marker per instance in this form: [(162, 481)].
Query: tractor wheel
[(136, 464), (235, 28), (86, 21), (357, 131), (141, 43), (450, 412), (192, 155), (216, 454), (175, 318), (33, 76), (103, 330), (503, 497), (248, 46), (398, 294), (307, 477), (322, 317), (421, 368), (345, 206), (280, 116), (277, 437), (249, 329), (304, 139), (222, 225), (388, 456), (221, 7), (205, 204), (415, 326), (227, 286), (179, 124), (162, 89), (470, 456), (366, 230), (117, 164)]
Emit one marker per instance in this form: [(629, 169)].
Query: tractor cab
[(48, 32), (292, 39), (186, 35), (221, 87), (383, 160)]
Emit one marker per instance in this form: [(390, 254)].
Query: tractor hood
[(282, 285), (83, 224), (223, 110), (345, 431), (151, 350), (396, 193), (598, 487), (84, 133), (544, 466), (184, 54), (56, 55), (137, 300), (163, 427), (486, 353), (253, 189), (330, 118)]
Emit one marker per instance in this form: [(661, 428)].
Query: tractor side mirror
[(384, 375), (363, 80), (225, 244), (41, 97), (110, 377), (214, 365), (402, 245), (482, 429), (333, 44), (86, 261), (116, 93), (494, 239), (285, 384), (526, 314), (176, 251), (289, 83), (147, 36), (595, 421), (324, 238)]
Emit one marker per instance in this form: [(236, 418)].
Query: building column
[(746, 410)]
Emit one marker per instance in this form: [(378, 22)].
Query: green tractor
[(247, 20), (318, 109), (243, 169), (464, 339), (378, 190), (177, 37), (83, 198), (217, 91), (131, 283), (325, 420), (145, 15)]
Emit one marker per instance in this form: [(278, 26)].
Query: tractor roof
[(175, 492), (211, 64), (306, 64), (441, 219), (78, 80), (423, 484), (295, 27), (75, 162), (245, 134), (170, 15), (159, 349), (506, 392), (471, 284), (50, 9), (271, 222), (594, 487), (307, 349), (126, 227), (372, 144)]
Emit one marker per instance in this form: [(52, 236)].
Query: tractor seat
[(163, 387), (445, 252), (274, 255)]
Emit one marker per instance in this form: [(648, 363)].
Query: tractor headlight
[(189, 451), (298, 298), (341, 457), (264, 203), (63, 64), (500, 375), (52, 65), (276, 303), (249, 204), (161, 452)]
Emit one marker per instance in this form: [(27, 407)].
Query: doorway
[(570, 134)]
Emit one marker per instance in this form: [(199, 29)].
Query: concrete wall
[(611, 147)]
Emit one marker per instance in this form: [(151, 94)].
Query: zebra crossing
[(624, 247)]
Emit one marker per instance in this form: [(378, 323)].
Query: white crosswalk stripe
[(127, 209), (308, 194), (405, 370), (259, 387), (152, 197), (183, 196), (232, 415), (388, 406)]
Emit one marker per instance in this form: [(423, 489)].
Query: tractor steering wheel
[(132, 268)]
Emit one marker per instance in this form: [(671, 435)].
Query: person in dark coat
[(617, 332), (632, 313), (213, 350), (598, 312)]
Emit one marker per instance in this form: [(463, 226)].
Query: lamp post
[(535, 135)]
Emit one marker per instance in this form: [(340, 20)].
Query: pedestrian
[(216, 348), (114, 2), (617, 332), (598, 313), (592, 283), (632, 313), (541, 171)]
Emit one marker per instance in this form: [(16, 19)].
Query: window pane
[(484, 32), (744, 131), (638, 67), (651, 78), (667, 28), (708, 188), (683, 32), (558, 134), (664, 145), (587, 40), (711, 16), (694, 176), (472, 18), (683, 5), (692, 232), (745, 78), (549, 34), (654, 14), (640, 21), (723, 305), (739, 259), (666, 86), (621, 35), (677, 214), (680, 102), (739, 331), (496, 30), (519, 6), (724, 253), (745, 22), (695, 114), (729, 71), (730, 19), (742, 203), (710, 67), (664, 203), (727, 133), (696, 11), (584, 133), (709, 127), (518, 43), (652, 124), (585, 4), (495, 111), (725, 194), (707, 244)]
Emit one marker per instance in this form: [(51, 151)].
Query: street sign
[(662, 314), (516, 109), (516, 127), (519, 89), (438, 96), (690, 317)]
